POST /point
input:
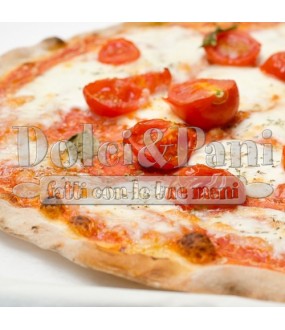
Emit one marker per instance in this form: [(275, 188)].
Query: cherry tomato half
[(115, 97), (118, 51), (204, 171), (275, 65), (205, 103), (236, 48), (280, 192), (166, 145)]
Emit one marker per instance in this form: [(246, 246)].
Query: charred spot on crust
[(84, 225), (35, 229), (156, 23), (234, 289), (54, 43), (53, 211), (197, 247), (28, 65), (56, 247)]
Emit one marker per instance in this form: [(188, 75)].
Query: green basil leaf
[(211, 38), (77, 140)]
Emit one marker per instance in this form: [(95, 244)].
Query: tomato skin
[(280, 192), (113, 97), (275, 65), (116, 97), (205, 103), (234, 48), (202, 170), (118, 51), (170, 137)]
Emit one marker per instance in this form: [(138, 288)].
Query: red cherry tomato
[(275, 65), (205, 103), (280, 192), (115, 97), (118, 51), (204, 171), (236, 48), (167, 145)]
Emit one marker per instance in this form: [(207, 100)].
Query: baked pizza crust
[(164, 273), (19, 56)]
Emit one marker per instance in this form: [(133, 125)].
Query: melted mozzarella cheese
[(252, 127), (271, 174), (266, 224), (272, 41), (163, 219), (176, 48), (158, 108)]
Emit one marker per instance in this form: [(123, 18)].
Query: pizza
[(197, 107)]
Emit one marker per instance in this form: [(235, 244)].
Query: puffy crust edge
[(165, 273), (16, 57)]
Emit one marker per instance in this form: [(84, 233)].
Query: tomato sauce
[(248, 251)]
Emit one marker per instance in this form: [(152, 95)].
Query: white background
[(13, 35)]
